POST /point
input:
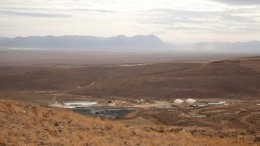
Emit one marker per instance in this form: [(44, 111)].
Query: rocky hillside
[(27, 124)]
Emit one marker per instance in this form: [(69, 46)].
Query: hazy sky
[(171, 20)]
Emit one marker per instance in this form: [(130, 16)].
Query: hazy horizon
[(181, 42), (197, 27), (171, 20)]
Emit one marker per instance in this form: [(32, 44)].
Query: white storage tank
[(180, 103), (192, 102)]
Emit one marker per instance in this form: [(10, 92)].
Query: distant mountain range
[(83, 42), (124, 43)]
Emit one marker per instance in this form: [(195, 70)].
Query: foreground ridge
[(30, 124)]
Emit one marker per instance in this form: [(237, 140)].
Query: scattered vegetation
[(228, 79), (29, 124)]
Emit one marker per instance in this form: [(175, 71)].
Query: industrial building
[(78, 104)]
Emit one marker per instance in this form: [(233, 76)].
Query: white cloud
[(172, 20), (240, 2)]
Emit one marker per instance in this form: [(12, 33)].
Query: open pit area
[(235, 114)]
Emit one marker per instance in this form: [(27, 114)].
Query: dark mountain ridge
[(83, 42)]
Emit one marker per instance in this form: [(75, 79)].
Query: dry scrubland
[(235, 79), (29, 124)]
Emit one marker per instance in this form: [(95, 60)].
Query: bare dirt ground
[(234, 81), (30, 124), (218, 79), (238, 118)]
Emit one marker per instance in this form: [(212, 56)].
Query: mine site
[(129, 73), (148, 96)]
